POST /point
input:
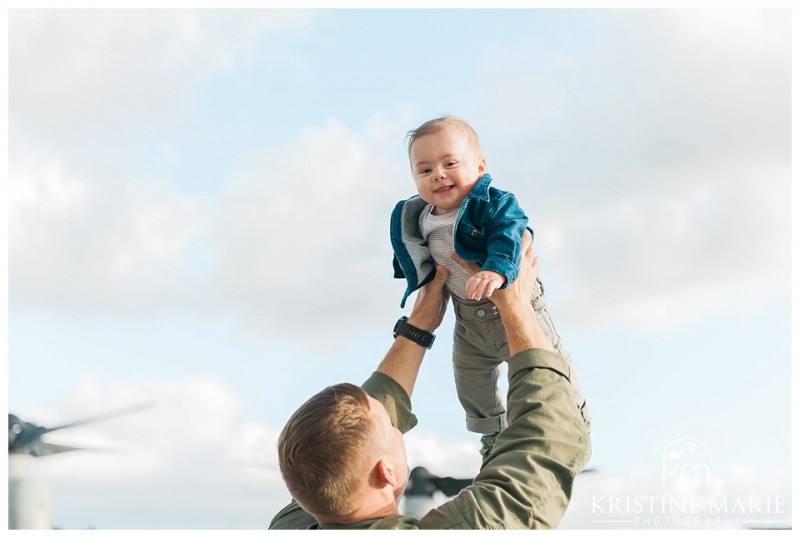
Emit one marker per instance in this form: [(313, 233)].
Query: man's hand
[(514, 302), (431, 302), (520, 289), (484, 283)]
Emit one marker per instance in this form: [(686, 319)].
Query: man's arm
[(526, 482), (403, 361)]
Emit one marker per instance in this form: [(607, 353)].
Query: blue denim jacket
[(488, 230)]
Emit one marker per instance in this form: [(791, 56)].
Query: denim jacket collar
[(481, 188)]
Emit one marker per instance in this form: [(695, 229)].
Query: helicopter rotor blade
[(48, 449), (106, 416), (25, 437)]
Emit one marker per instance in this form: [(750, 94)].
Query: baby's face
[(445, 167)]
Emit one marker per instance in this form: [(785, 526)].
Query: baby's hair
[(437, 125)]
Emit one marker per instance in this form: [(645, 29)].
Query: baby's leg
[(476, 366), (476, 383)]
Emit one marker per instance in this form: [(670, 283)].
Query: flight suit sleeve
[(394, 398), (526, 482)]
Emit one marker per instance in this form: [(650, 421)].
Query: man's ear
[(384, 474), (482, 165)]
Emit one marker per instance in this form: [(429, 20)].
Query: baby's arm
[(504, 229), (483, 283)]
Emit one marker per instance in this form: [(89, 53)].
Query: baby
[(458, 211)]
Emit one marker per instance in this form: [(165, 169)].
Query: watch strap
[(415, 334)]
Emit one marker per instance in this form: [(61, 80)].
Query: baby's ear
[(482, 164)]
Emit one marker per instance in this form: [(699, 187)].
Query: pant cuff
[(487, 425)]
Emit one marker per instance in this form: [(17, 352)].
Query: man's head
[(446, 161), (339, 453)]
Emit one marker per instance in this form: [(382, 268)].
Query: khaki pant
[(480, 347)]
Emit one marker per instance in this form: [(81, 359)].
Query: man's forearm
[(404, 358), (402, 363), (522, 328)]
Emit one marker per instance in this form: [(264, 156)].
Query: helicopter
[(419, 496), (29, 504)]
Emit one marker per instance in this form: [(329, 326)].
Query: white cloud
[(196, 415), (442, 457), (747, 29), (647, 97), (82, 243), (675, 254), (46, 191), (305, 221), (79, 72)]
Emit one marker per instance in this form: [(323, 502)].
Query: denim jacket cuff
[(503, 267)]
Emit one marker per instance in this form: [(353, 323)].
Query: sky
[(198, 206)]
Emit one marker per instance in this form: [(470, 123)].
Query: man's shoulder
[(292, 517), (396, 522)]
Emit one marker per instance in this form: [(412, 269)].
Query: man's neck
[(372, 509)]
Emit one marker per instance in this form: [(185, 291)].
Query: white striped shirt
[(437, 230)]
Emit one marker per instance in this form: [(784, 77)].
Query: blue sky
[(198, 208)]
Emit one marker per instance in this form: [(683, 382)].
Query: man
[(342, 453)]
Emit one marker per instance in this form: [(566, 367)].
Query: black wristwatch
[(418, 336)]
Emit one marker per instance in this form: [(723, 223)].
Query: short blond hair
[(323, 451), (442, 123)]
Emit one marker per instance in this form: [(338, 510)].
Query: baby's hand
[(484, 283)]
